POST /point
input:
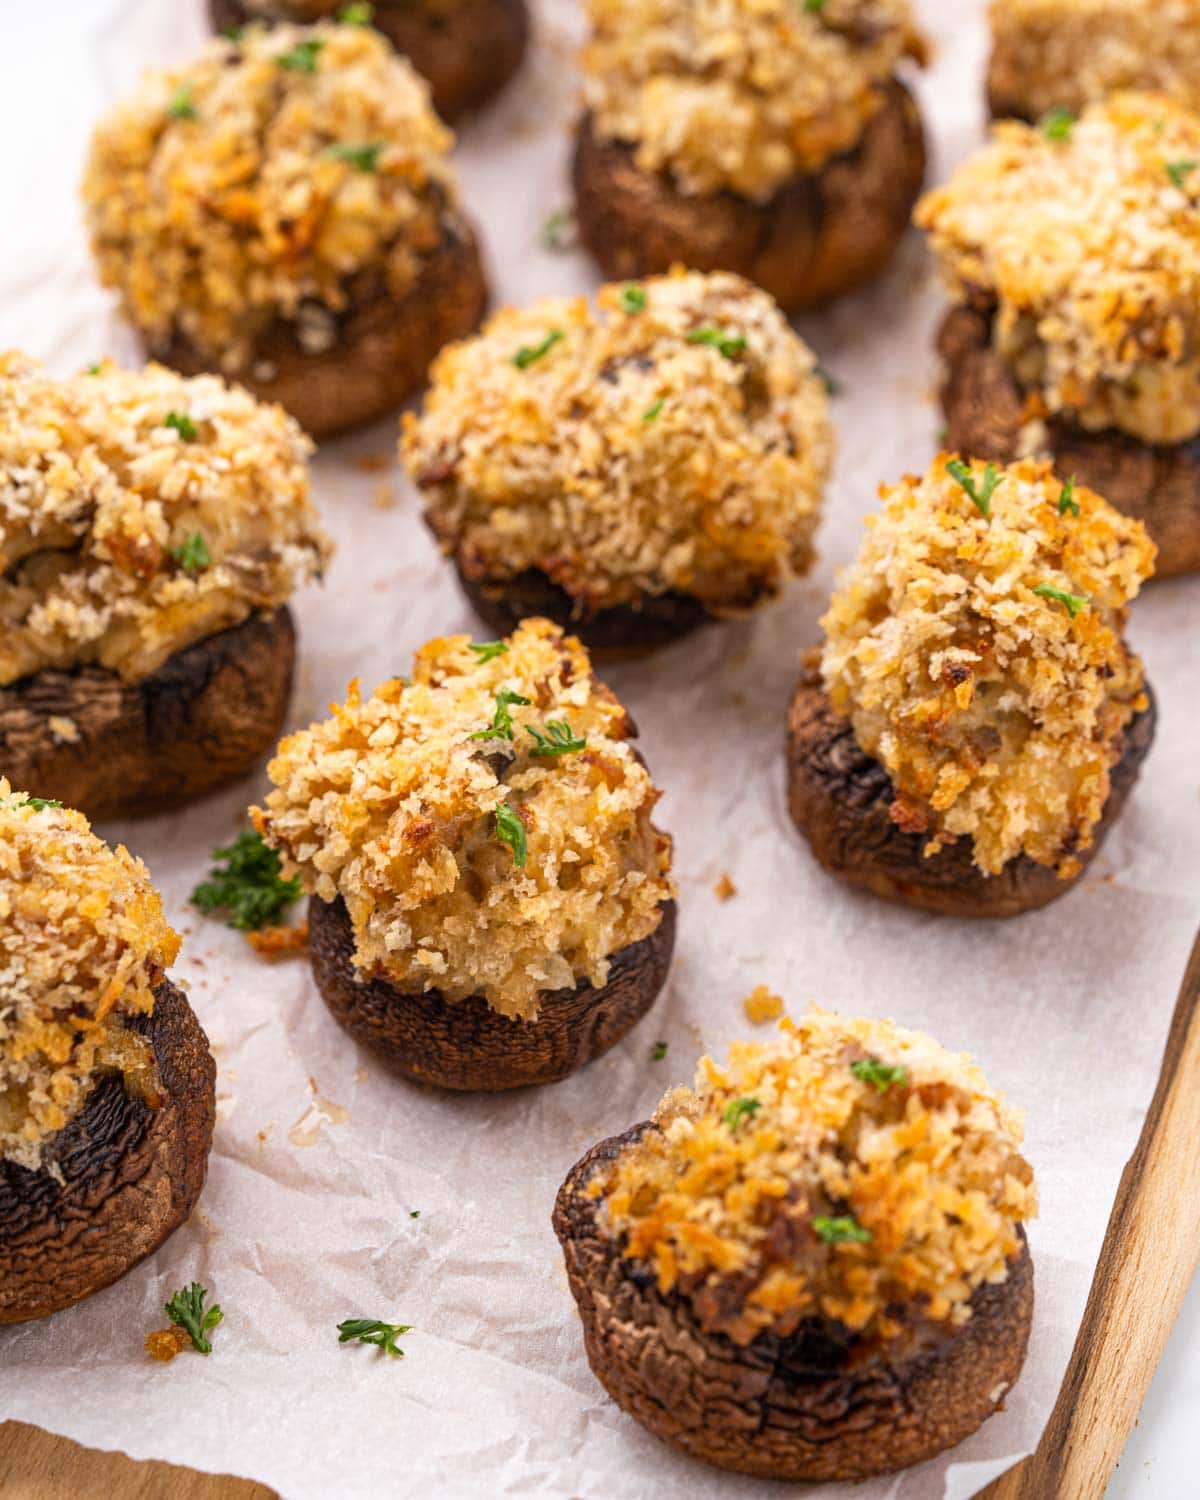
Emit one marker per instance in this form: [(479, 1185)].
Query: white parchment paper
[(320, 1157)]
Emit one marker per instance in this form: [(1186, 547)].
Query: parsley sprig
[(1073, 602), (193, 555), (245, 883), (1058, 125), (720, 339), (302, 58), (1066, 500), (365, 158), (187, 1311), (840, 1229), (501, 727), (488, 650), (559, 739), (980, 495), (181, 423), (511, 831), (372, 1331), (882, 1075), (738, 1110), (529, 354), (35, 804)]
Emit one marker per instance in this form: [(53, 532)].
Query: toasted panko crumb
[(1065, 54), (740, 94), (631, 458), (392, 805), (280, 942), (83, 942), (996, 712), (724, 1193), (99, 497), (165, 1343), (1090, 250), (762, 1005), (217, 199), (725, 888)]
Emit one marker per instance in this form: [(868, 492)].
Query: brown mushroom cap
[(819, 236), (466, 1044), (818, 1405), (131, 1175), (1157, 484), (840, 798), (467, 51), (204, 718), (381, 351)]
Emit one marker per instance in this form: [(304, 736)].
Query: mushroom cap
[(130, 1175), (204, 718), (817, 1405), (819, 236), (840, 798), (467, 1045)]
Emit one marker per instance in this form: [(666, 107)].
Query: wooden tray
[(1146, 1263)]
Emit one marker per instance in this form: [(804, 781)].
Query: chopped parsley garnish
[(659, 1052), (501, 727), (233, 33), (633, 297), (488, 650), (193, 555), (1066, 500), (1178, 171), (882, 1075), (303, 56), (814, 7), (39, 804), (245, 883), (833, 386), (738, 1110), (529, 354), (372, 1331), (1074, 602), (365, 158), (511, 831), (560, 231), (726, 343), (181, 106), (187, 1311), (652, 411), (183, 425), (981, 496), (842, 1230), (414, 1213), (95, 369), (358, 14), (560, 739), (1058, 125)]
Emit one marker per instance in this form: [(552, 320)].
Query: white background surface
[(1066, 1017)]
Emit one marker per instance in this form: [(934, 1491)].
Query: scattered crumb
[(372, 463), (383, 495), (762, 1006), (307, 1129), (165, 1343), (264, 1135), (725, 888), (361, 1075), (280, 942), (64, 730)]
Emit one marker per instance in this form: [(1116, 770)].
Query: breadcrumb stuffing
[(258, 182), (762, 1005), (392, 805), (675, 439), (83, 942), (981, 661), (1089, 247), (140, 512), (740, 94), (726, 1194), (1065, 54)]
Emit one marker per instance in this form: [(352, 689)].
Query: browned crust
[(840, 799), (819, 236), (815, 1406), (382, 349), (1158, 485), (131, 1176), (624, 630), (206, 717), (466, 1044), (467, 52)]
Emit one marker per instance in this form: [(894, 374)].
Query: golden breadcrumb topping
[(1065, 54), (83, 942), (140, 512), (844, 1170), (740, 94), (260, 181), (762, 1005), (1089, 246), (487, 824), (676, 438), (980, 658)]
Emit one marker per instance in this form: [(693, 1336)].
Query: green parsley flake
[(183, 425), (501, 727), (511, 831), (1058, 125), (181, 106), (193, 555), (358, 14), (1066, 500), (245, 883), (303, 56), (372, 1331), (738, 1110), (882, 1075), (1179, 171), (982, 498), (633, 297), (842, 1230), (659, 1052), (833, 386), (529, 354), (1074, 602), (726, 343), (187, 1311), (814, 7), (488, 650), (365, 158), (233, 33), (560, 739), (37, 804), (652, 411), (95, 369), (560, 231)]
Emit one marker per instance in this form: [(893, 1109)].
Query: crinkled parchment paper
[(320, 1157)]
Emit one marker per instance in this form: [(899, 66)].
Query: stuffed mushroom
[(1071, 253), (758, 136), (106, 1079), (1052, 58), (629, 471), (491, 905), (975, 720), (152, 529), (283, 212), (466, 50), (812, 1265)]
